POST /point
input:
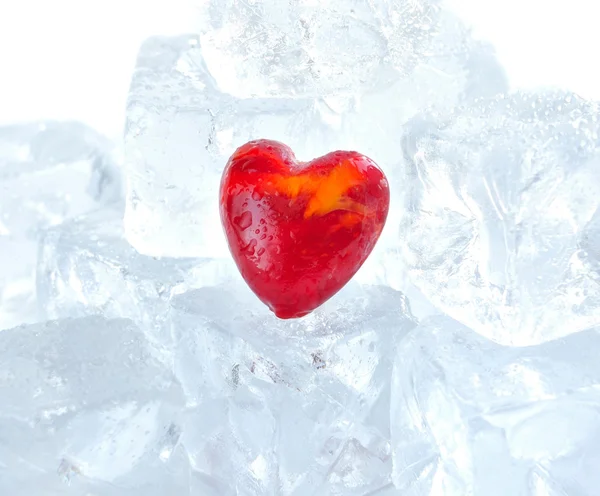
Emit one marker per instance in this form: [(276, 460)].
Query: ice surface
[(500, 227), (84, 397), (266, 48), (303, 404), (49, 172), (86, 266), (470, 416)]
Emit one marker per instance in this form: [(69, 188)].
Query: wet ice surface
[(459, 361)]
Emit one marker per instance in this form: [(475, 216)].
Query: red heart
[(299, 231)]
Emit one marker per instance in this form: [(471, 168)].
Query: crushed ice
[(462, 358)]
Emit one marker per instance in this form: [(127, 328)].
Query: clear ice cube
[(470, 416), (84, 397), (180, 132), (321, 382), (49, 172), (267, 48), (499, 223), (262, 437), (87, 267)]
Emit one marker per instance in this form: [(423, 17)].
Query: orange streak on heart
[(292, 186), (329, 195), (326, 192)]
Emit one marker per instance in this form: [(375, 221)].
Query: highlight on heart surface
[(299, 231)]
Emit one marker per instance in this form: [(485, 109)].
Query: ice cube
[(233, 440), (358, 470), (267, 48), (264, 436), (19, 478), (457, 69), (321, 382), (216, 329), (460, 65), (470, 416), (180, 132), (49, 172), (498, 229), (64, 365), (86, 266), (85, 397), (204, 485)]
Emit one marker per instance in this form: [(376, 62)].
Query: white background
[(73, 58)]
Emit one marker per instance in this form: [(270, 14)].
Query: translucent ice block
[(87, 267), (49, 172), (470, 416), (84, 397), (304, 402), (180, 133), (500, 215)]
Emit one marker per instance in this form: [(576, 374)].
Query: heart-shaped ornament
[(299, 231)]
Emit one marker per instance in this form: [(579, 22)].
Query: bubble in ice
[(500, 208)]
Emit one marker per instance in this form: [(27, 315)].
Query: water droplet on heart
[(270, 238), (243, 221), (250, 247), (257, 231), (256, 196), (262, 222), (263, 237), (260, 252), (245, 204)]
